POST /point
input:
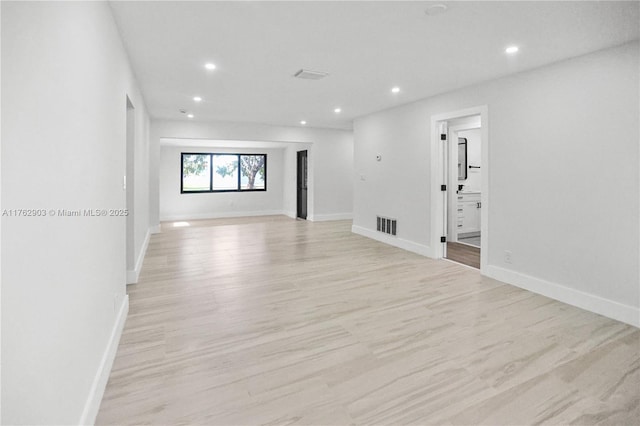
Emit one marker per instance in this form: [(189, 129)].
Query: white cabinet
[(469, 210)]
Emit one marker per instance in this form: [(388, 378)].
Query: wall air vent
[(386, 225), (311, 75)]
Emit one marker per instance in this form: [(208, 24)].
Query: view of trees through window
[(212, 172)]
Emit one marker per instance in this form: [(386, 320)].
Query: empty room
[(320, 212)]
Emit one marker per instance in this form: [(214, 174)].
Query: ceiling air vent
[(311, 75)]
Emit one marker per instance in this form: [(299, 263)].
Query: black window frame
[(211, 190)]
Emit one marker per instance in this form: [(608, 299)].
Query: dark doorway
[(302, 185)]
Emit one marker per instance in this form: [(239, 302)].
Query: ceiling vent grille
[(310, 75)]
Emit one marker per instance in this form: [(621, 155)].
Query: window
[(196, 173), (211, 172), (225, 172)]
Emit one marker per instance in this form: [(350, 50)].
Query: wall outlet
[(507, 256)]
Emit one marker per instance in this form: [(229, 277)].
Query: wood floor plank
[(276, 321), (464, 253)]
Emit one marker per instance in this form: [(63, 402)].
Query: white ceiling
[(366, 47)]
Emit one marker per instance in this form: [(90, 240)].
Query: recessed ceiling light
[(190, 115), (337, 110), (303, 122), (435, 9), (210, 66), (511, 50), (197, 98), (395, 90)]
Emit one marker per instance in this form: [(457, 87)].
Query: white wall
[(142, 230), (330, 161), (332, 170), (0, 229), (474, 142), (177, 206), (563, 177), (65, 78)]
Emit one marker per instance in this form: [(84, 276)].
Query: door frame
[(438, 201), (129, 188)]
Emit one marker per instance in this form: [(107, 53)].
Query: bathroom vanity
[(468, 214)]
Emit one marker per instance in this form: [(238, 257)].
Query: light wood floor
[(463, 253), (277, 321)]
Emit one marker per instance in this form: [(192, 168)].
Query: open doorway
[(302, 171), (460, 164), (464, 205)]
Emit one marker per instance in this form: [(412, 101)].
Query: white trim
[(200, 216), (393, 241), (460, 264), (437, 202), (132, 276), (92, 404), (590, 302), (332, 216), (155, 229), (291, 213)]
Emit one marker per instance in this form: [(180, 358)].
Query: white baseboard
[(155, 229), (132, 276), (200, 216), (292, 214), (92, 405), (332, 216), (608, 308), (393, 241)]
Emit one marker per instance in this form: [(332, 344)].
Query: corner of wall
[(132, 276), (94, 399)]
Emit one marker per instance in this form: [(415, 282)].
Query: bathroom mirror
[(462, 158)]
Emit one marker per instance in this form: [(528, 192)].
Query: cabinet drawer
[(473, 197)]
